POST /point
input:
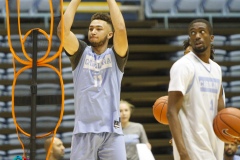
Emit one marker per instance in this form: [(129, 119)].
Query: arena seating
[(209, 9), (153, 50)]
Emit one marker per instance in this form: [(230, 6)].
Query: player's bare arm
[(71, 43), (175, 99), (120, 41)]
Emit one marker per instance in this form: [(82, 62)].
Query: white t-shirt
[(200, 85)]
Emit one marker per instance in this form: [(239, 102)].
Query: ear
[(212, 38), (110, 35)]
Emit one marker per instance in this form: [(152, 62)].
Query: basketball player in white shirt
[(195, 97)]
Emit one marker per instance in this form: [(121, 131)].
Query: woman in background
[(134, 133)]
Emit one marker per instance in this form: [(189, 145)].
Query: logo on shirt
[(208, 84), (97, 64), (116, 124)]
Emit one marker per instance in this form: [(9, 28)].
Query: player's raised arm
[(120, 41), (70, 40)]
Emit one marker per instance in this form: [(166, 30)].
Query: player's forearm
[(116, 16), (176, 132), (175, 101)]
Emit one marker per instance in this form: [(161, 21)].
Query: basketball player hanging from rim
[(195, 97), (97, 75)]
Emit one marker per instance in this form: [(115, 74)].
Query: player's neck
[(99, 49)]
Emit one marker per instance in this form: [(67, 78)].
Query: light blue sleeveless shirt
[(97, 86)]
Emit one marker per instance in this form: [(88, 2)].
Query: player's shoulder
[(185, 62)]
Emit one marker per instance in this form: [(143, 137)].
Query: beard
[(100, 43), (199, 50), (231, 154)]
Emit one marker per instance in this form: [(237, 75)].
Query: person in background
[(134, 133), (187, 47), (230, 150), (57, 150)]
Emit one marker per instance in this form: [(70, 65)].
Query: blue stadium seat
[(25, 5), (162, 5), (46, 73), (234, 55), (66, 137), (2, 90), (3, 123), (69, 104), (219, 40), (2, 107), (3, 155), (233, 6), (20, 90), (179, 40), (211, 6), (2, 7), (3, 139), (17, 108), (224, 70), (189, 6), (2, 57), (235, 102), (67, 73), (43, 6), (42, 121), (68, 120), (23, 122), (1, 37), (234, 86), (48, 89), (68, 89), (65, 58), (220, 54), (40, 153), (234, 40), (234, 71), (2, 73)]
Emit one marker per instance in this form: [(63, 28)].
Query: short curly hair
[(104, 17)]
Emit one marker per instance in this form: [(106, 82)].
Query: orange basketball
[(226, 124), (160, 110)]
